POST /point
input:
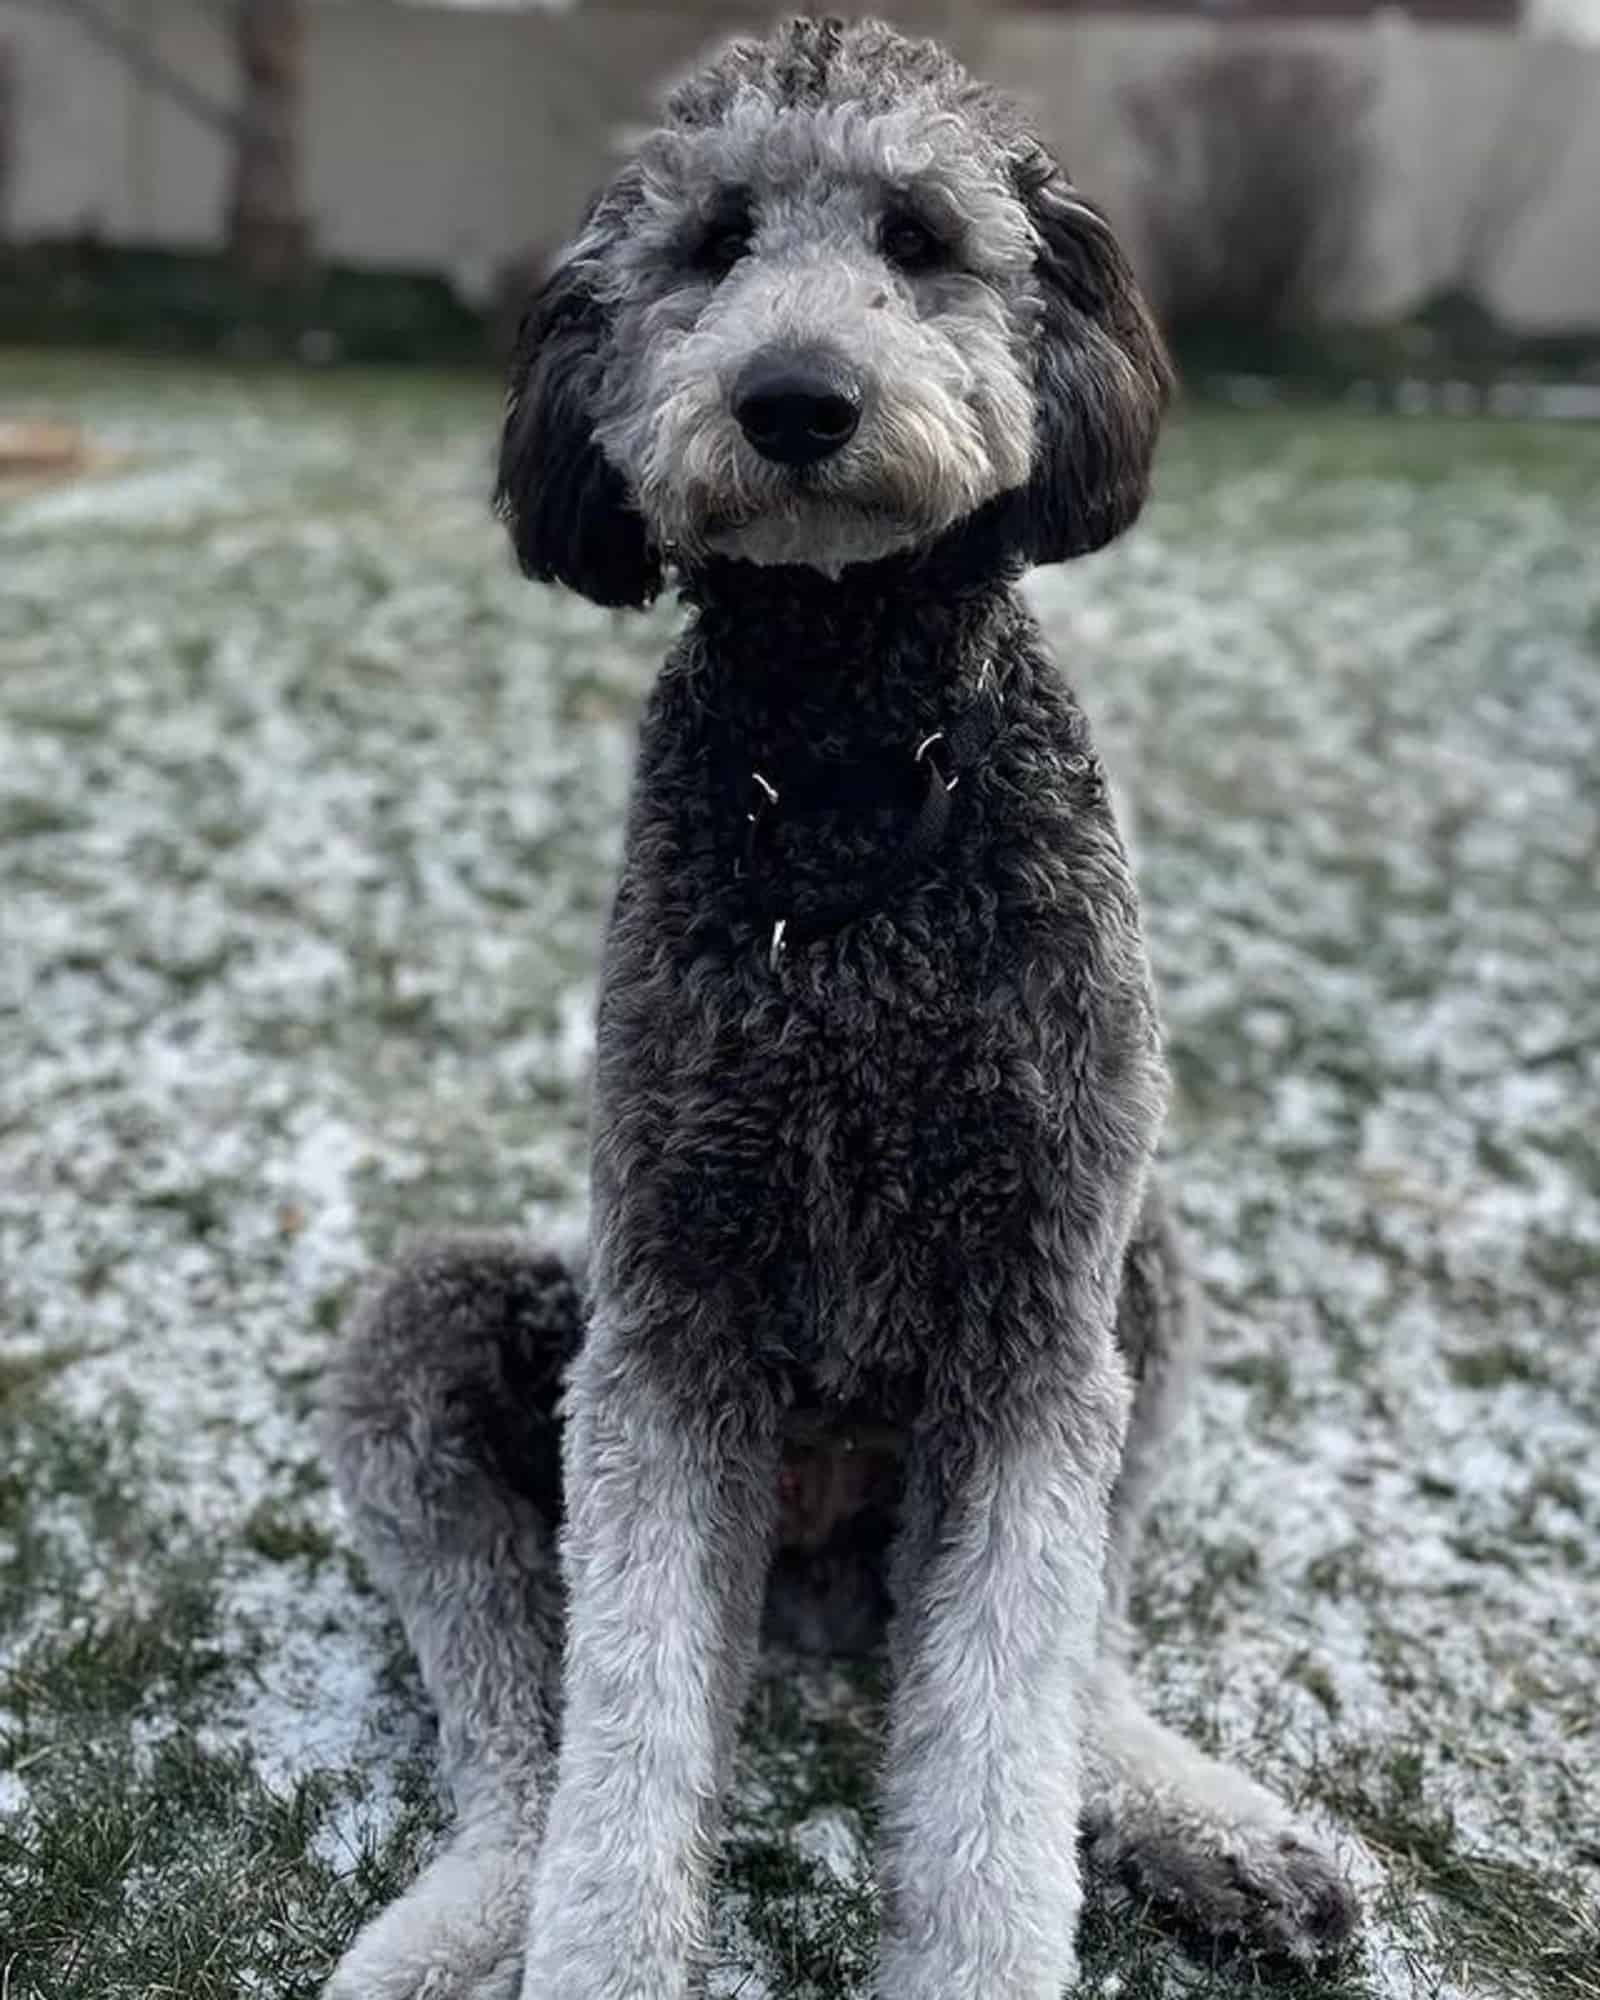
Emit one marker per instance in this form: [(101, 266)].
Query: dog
[(883, 1325)]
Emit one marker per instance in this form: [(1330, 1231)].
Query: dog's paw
[(1264, 1890), (457, 1933)]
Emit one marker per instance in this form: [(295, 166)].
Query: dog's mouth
[(812, 527), (803, 496), (807, 509)]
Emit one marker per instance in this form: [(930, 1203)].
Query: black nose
[(796, 408)]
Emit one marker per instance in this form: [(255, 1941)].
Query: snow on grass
[(307, 813)]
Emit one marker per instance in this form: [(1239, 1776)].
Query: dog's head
[(839, 302)]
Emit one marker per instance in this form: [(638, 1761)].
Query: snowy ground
[(307, 809)]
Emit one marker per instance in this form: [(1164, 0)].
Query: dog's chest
[(848, 1145), (900, 1120), (839, 1145)]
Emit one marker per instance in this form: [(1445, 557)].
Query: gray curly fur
[(889, 1189)]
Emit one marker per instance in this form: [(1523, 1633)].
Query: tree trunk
[(8, 129), (268, 231)]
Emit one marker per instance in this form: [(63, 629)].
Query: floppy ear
[(1102, 378), (567, 509)]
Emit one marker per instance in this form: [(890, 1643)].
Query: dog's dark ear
[(567, 509), (1102, 378)]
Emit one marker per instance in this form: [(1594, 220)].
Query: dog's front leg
[(999, 1585), (671, 1498)]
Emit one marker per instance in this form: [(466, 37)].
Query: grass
[(1487, 1918), (90, 1908), (296, 957)]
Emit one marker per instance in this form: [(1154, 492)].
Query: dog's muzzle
[(797, 408)]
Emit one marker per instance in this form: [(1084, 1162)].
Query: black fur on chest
[(833, 1139)]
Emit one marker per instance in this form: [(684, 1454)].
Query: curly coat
[(887, 1188)]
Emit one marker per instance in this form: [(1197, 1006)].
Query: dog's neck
[(796, 662)]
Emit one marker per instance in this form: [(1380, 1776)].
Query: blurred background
[(1309, 186), (309, 815)]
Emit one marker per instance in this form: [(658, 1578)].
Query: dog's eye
[(721, 247), (910, 245)]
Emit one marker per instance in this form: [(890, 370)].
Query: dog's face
[(837, 304)]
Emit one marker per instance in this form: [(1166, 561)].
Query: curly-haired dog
[(878, 1084)]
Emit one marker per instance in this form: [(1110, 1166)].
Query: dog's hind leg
[(1195, 1841), (442, 1426), (1158, 1332)]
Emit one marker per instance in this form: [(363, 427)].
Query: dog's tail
[(441, 1419)]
